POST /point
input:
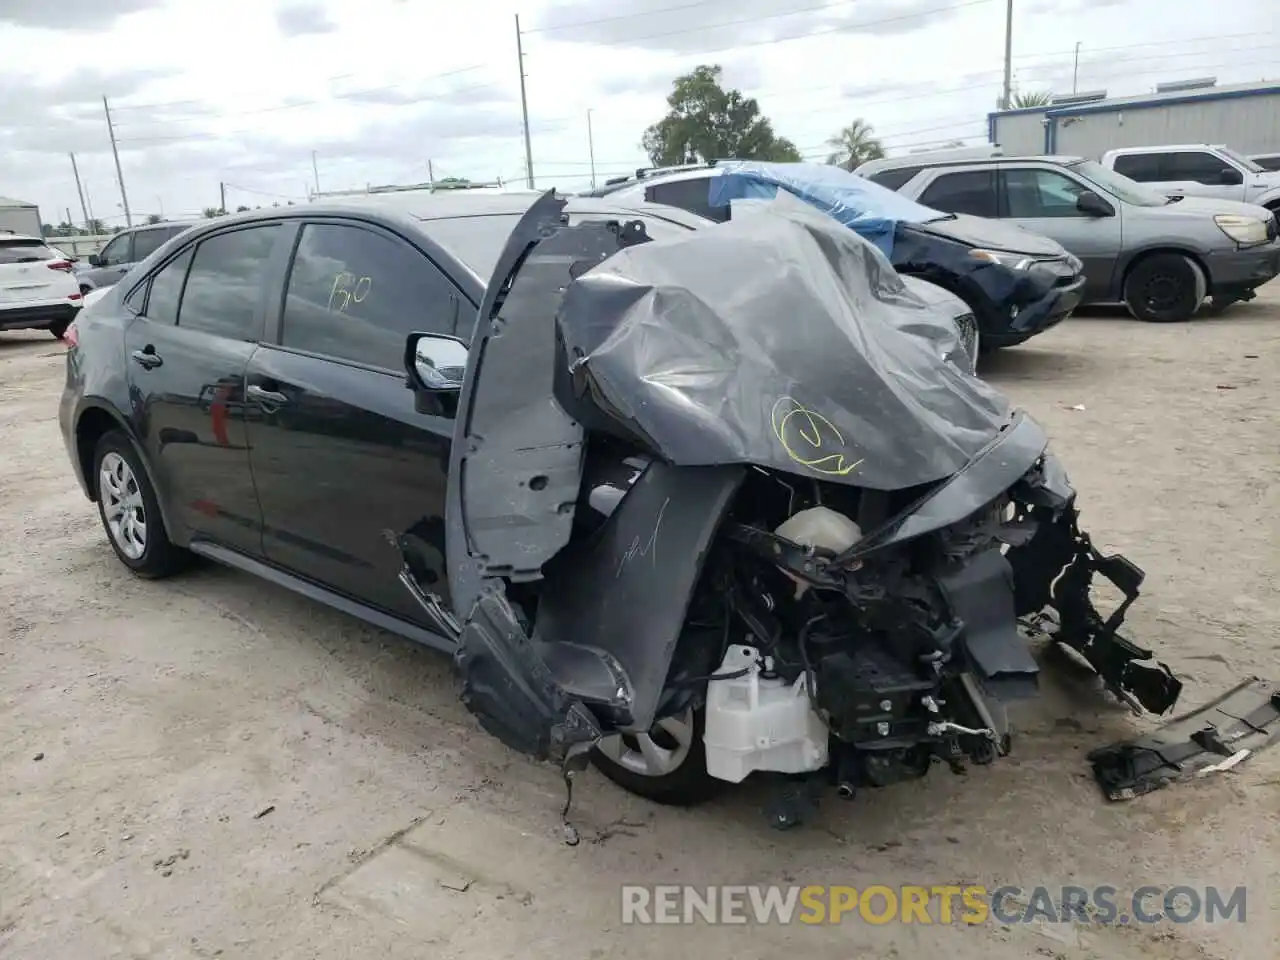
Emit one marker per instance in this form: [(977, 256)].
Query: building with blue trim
[(1243, 116)]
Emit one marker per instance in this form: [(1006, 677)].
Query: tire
[(1164, 288), (129, 510), (685, 783), (85, 289), (58, 328)]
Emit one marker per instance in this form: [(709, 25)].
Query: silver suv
[(122, 251), (1159, 255)]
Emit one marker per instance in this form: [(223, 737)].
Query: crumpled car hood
[(777, 339)]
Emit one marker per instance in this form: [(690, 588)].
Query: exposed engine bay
[(814, 543)]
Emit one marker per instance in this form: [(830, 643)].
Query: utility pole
[(124, 197), (79, 191), (315, 170), (222, 197), (88, 202), (591, 150), (1075, 69), (1006, 99), (431, 175), (524, 109)]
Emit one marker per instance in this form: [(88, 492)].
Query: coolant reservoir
[(757, 723), (821, 527)]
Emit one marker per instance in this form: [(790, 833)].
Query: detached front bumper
[(1239, 271)]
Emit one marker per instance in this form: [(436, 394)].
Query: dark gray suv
[(124, 250)]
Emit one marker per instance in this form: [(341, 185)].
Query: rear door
[(351, 477), (201, 317), (1044, 201), (964, 191)]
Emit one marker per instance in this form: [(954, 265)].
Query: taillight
[(71, 335), (63, 265), (75, 296)]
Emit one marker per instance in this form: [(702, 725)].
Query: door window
[(691, 194), (166, 290), (147, 242), (118, 251), (1194, 165), (1143, 167), (224, 284), (1031, 193), (972, 192), (356, 295)]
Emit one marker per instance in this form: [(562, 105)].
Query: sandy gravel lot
[(146, 724)]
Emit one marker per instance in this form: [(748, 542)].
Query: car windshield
[(478, 241), (1243, 161), (1117, 184)]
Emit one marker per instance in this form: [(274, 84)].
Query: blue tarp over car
[(869, 209)]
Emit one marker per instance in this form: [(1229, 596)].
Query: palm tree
[(854, 145), (1034, 98)]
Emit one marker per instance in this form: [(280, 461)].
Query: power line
[(341, 76), (839, 28), (684, 6)]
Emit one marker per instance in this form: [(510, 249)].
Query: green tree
[(854, 145), (154, 218), (210, 212), (242, 209), (1032, 98), (708, 122)]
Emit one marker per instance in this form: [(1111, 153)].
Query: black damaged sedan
[(698, 504)]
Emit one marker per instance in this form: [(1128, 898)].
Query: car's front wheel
[(667, 765), (129, 509), (1164, 288)]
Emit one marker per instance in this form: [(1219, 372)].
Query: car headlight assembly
[(1246, 231), (1014, 261)]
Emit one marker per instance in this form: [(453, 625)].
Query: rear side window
[(147, 242), (893, 179), (972, 192), (24, 251), (1143, 167), (690, 194), (356, 295), (224, 284), (1195, 166), (166, 290)]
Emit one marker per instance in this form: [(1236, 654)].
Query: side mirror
[(1230, 177), (435, 363), (95, 260), (1093, 205)]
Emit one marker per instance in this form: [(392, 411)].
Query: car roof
[(1156, 148), (1057, 159), (26, 237)]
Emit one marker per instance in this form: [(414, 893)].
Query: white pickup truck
[(1198, 170)]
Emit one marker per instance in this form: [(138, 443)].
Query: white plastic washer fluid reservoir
[(756, 723)]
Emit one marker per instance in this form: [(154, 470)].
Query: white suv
[(37, 287)]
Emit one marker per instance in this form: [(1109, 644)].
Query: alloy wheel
[(122, 506), (660, 752)]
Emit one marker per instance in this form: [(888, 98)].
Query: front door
[(350, 475), (201, 318), (1044, 202)]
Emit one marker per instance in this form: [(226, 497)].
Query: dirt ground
[(214, 767)]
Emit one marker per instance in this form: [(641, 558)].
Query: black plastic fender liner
[(1220, 734), (626, 591), (507, 685)]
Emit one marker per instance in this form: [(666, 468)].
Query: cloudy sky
[(242, 92)]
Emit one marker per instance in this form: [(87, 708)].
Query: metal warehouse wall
[(1019, 134), (1247, 124), (20, 220)]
